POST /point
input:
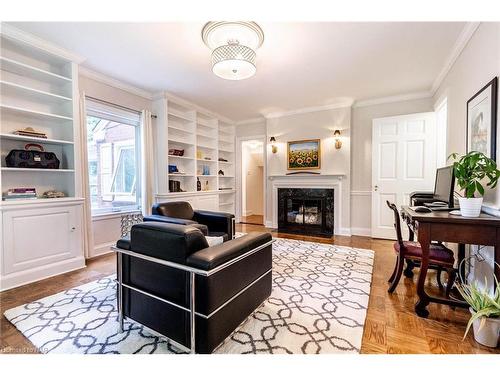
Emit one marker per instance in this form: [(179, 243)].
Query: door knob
[(376, 187)]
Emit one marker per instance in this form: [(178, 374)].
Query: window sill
[(113, 215)]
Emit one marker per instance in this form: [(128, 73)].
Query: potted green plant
[(472, 170), (485, 312)]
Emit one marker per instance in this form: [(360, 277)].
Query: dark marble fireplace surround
[(306, 211)]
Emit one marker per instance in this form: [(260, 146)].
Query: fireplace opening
[(306, 211)]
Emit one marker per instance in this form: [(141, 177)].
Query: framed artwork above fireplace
[(304, 154)]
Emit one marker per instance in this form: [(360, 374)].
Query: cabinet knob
[(73, 229)]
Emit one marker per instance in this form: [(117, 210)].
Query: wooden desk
[(441, 226)]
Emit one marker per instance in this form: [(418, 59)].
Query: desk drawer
[(457, 233)]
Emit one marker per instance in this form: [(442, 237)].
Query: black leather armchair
[(167, 272), (216, 224)]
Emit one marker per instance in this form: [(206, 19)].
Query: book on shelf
[(16, 191), (20, 193)]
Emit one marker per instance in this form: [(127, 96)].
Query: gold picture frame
[(304, 154)]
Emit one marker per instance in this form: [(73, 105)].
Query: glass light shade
[(233, 62)]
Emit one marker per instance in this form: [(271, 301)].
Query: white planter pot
[(470, 207), (489, 333)]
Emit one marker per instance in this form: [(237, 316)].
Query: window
[(113, 142)]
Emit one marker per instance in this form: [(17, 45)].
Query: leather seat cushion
[(437, 252)]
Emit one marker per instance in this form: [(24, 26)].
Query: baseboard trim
[(269, 224), (344, 232), (365, 232), (21, 278), (101, 249)]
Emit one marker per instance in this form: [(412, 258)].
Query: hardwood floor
[(253, 219), (391, 324)]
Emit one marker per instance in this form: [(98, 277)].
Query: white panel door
[(403, 161)]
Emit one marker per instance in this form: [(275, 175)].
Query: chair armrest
[(215, 221), (212, 257), (167, 219)]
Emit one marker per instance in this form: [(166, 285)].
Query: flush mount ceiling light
[(233, 46)]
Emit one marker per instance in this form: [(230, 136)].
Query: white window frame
[(115, 113)]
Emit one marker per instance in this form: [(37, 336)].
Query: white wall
[(313, 125), (478, 63), (106, 229), (254, 184), (361, 155)]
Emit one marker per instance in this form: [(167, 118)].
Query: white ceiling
[(299, 65)]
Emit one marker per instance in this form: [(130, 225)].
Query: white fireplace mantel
[(310, 181)]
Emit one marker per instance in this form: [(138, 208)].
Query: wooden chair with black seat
[(440, 257)]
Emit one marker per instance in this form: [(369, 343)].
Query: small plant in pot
[(472, 170), (485, 311)]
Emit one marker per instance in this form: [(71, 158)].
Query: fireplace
[(306, 211)]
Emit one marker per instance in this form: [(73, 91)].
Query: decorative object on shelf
[(304, 154), (207, 187), (233, 46), (484, 309), (176, 152), (221, 172), (207, 158), (172, 168), (225, 188), (198, 184), (206, 170), (222, 159), (470, 172), (174, 186), (338, 142), (128, 220), (199, 154), (20, 193), (53, 194), (30, 132), (482, 120), (274, 148), (28, 158)]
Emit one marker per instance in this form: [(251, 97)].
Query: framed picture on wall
[(304, 154), (482, 120)]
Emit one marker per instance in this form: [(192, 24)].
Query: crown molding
[(254, 120), (187, 103), (393, 99), (464, 37), (19, 35), (92, 74), (343, 104)]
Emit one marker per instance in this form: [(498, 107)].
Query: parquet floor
[(391, 324)]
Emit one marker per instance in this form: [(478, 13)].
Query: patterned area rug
[(318, 305)]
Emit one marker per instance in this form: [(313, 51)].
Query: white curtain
[(147, 162), (88, 237)]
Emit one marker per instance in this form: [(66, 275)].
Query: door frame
[(238, 173)]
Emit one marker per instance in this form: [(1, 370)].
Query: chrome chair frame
[(192, 275)]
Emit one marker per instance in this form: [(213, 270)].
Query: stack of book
[(30, 132), (20, 193)]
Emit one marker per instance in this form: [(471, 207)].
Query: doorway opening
[(252, 182)]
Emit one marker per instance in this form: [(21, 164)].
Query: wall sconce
[(338, 142), (274, 148)]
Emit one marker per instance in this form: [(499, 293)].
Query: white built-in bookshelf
[(37, 90), (41, 237), (208, 145)]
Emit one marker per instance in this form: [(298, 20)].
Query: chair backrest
[(397, 221), (178, 210), (171, 242)]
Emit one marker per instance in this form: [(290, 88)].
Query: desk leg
[(423, 298), (461, 257)]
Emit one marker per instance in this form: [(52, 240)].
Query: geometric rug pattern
[(318, 305)]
